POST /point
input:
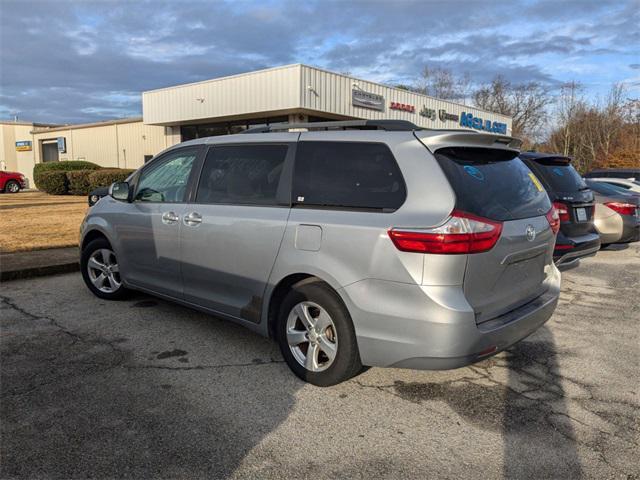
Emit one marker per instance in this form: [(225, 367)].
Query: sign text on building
[(360, 98), (402, 106), (24, 146), (477, 123)]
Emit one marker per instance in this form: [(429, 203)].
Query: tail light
[(563, 211), (553, 217), (461, 233), (622, 208)]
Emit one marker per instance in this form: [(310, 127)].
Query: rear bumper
[(630, 229), (434, 328), (569, 249)]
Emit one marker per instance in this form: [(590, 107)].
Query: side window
[(167, 181), (347, 174), (242, 174)]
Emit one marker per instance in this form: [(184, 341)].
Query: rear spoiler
[(435, 140)]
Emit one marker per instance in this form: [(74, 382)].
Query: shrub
[(53, 182), (106, 176), (78, 181), (64, 166)]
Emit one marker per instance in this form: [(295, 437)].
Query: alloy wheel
[(311, 335), (104, 271)]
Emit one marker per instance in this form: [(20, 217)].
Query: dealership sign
[(477, 123), (360, 98), (402, 106), (428, 113), (23, 146)]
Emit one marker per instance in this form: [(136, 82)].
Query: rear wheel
[(12, 187), (316, 335), (100, 270)]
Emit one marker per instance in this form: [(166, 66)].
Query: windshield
[(493, 184)]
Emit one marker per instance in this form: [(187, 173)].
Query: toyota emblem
[(530, 231)]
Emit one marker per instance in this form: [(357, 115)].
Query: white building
[(292, 93)]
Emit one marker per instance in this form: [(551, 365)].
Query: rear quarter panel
[(354, 245)]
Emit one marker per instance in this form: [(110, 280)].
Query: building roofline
[(27, 124), (324, 70), (227, 77), (106, 123), (402, 90)]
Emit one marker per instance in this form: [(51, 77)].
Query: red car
[(12, 182)]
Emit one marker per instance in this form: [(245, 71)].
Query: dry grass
[(36, 220)]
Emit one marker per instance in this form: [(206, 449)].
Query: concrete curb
[(6, 276), (37, 263)]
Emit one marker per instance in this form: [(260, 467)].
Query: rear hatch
[(495, 184), (566, 186)]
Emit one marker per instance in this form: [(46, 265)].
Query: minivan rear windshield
[(561, 176), (493, 183)]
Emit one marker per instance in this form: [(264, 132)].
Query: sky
[(82, 61)]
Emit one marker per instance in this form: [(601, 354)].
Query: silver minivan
[(351, 243)]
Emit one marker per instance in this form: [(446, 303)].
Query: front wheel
[(100, 270), (316, 335), (12, 187)]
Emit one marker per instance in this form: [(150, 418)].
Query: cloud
[(83, 61)]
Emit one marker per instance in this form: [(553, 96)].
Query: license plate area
[(581, 214)]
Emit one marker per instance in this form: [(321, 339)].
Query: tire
[(11, 187), (100, 270), (331, 335)]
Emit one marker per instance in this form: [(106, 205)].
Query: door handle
[(169, 218), (193, 219)]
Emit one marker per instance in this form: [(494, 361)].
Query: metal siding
[(262, 91), (121, 145), (334, 96), (137, 140)]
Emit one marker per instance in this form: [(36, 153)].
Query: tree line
[(601, 132)]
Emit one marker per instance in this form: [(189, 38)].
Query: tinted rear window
[(242, 174), (561, 177), (347, 175), (493, 183)]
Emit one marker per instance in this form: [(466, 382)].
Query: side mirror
[(120, 191)]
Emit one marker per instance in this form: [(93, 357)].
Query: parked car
[(617, 217), (625, 173), (12, 182), (367, 243), (574, 201), (629, 185), (96, 195)]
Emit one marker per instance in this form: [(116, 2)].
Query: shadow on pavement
[(80, 406), (539, 441)]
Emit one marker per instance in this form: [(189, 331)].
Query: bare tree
[(443, 83), (601, 125), (525, 103), (603, 133), (569, 102)]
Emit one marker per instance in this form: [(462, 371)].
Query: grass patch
[(36, 220)]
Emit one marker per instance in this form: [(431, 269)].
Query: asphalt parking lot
[(147, 389)]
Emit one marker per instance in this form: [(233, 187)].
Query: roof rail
[(388, 125)]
